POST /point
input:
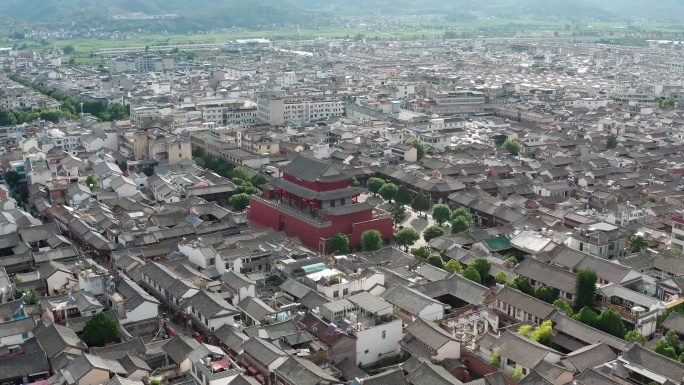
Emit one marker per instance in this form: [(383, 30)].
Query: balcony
[(294, 212)]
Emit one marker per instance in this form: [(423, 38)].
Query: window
[(336, 294), (25, 335), (383, 334), (366, 352), (345, 292)]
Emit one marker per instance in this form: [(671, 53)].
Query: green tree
[(258, 180), (239, 172), (501, 278), (420, 203), (12, 178), (432, 232), (339, 244), (472, 274), (543, 333), (388, 191), (31, 297), (91, 182), (441, 213), (495, 358), (436, 260), (664, 349), (459, 225), (672, 339), (611, 141), (68, 49), (123, 166), (637, 336), (587, 316), (419, 146), (637, 243), (564, 306), (421, 252), (7, 118), (371, 240), (353, 182), (453, 265), (240, 201), (585, 289), (545, 293), (407, 237), (374, 185), (482, 265), (517, 373), (610, 322), (461, 212), (522, 284), (398, 213), (100, 329), (403, 195), (513, 146)]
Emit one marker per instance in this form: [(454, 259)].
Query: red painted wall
[(353, 225), (318, 186)]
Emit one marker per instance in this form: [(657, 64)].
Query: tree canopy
[(564, 306), (374, 185), (637, 243), (436, 260), (545, 293), (513, 146), (407, 237), (339, 244), (633, 334), (610, 322), (441, 213), (371, 240), (432, 232), (240, 201), (100, 329), (482, 265), (585, 289), (472, 274), (398, 213), (453, 265), (611, 141), (403, 195), (12, 178), (353, 182), (501, 278), (388, 191), (420, 203)]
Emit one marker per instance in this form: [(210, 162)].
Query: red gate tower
[(313, 201)]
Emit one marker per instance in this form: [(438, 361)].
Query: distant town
[(358, 211)]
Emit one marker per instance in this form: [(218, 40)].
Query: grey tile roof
[(87, 362), (134, 346), (456, 285), (179, 347), (585, 333), (428, 373), (428, 333), (230, 337), (272, 332), (116, 380), (644, 357), (524, 302), (255, 308), (133, 363), (209, 304), (407, 299), (303, 372), (547, 274), (675, 321), (590, 356), (38, 233), (313, 170), (350, 370), (13, 328), (55, 338), (262, 350), (295, 288), (19, 365), (520, 349), (390, 377)]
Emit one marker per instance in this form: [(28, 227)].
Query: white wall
[(371, 340), (15, 339), (451, 349), (352, 286), (434, 311), (58, 279), (146, 310)]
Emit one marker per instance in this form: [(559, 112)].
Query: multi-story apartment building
[(276, 110), (141, 63), (259, 142), (141, 116), (228, 112), (162, 146), (678, 231), (458, 96)]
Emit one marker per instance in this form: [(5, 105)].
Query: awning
[(253, 371)]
